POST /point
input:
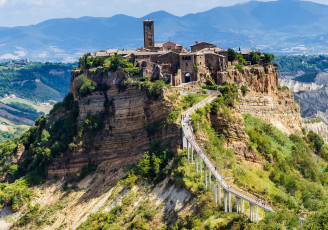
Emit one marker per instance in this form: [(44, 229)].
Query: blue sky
[(27, 12)]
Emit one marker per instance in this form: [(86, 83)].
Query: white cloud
[(8, 56), (2, 2)]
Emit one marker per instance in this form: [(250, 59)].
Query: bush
[(231, 55), (211, 87), (239, 67), (268, 58), (254, 57), (244, 90), (84, 85), (316, 141), (133, 71), (229, 93)]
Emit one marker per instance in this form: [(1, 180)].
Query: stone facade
[(149, 36)]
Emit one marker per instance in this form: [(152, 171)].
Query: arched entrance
[(187, 77)]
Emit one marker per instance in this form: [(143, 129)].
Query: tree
[(231, 55), (254, 57), (84, 62), (268, 58)]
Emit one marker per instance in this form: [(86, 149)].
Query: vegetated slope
[(29, 84), (162, 191), (39, 82), (284, 26)]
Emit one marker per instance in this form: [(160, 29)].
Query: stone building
[(169, 60), (246, 54), (149, 36), (201, 45)]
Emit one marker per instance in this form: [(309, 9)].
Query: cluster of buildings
[(171, 60)]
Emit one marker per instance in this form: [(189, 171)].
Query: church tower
[(149, 37)]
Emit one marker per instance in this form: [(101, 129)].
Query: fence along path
[(203, 163)]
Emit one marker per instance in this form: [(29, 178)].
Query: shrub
[(211, 87), (268, 58), (239, 67), (84, 85), (231, 55), (244, 90), (229, 93), (254, 57), (316, 141), (132, 71)]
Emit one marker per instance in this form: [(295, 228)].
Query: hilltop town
[(182, 65)]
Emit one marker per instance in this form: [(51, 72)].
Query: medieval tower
[(149, 37)]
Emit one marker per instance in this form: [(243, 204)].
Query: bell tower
[(149, 37)]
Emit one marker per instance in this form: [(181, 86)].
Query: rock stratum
[(123, 139)]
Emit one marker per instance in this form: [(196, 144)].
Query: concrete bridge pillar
[(184, 140), (215, 193), (230, 206), (237, 204), (256, 213), (188, 151), (225, 201), (219, 189), (200, 165), (192, 154), (205, 177), (210, 178), (251, 211), (242, 206), (196, 163)]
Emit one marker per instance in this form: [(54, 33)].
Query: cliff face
[(123, 139), (319, 128), (280, 110), (257, 79)]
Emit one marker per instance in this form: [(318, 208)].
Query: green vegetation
[(244, 90), (210, 87), (268, 58), (239, 67), (300, 178), (283, 88), (307, 77), (231, 55), (254, 57), (312, 120), (84, 85), (39, 82), (307, 64)]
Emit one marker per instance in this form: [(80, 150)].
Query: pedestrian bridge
[(212, 176)]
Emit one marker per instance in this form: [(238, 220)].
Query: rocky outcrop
[(319, 128), (296, 86), (233, 128), (257, 79), (313, 101), (279, 110), (124, 138)]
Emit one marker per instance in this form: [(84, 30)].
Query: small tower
[(149, 38)]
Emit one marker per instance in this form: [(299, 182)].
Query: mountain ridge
[(252, 25)]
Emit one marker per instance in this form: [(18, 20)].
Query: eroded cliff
[(129, 117)]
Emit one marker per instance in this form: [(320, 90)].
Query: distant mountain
[(281, 27)]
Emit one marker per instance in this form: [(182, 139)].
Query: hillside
[(27, 91), (301, 28), (110, 156)]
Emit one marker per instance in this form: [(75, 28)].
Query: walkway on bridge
[(203, 163)]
